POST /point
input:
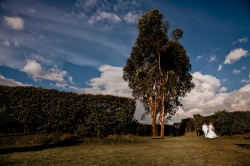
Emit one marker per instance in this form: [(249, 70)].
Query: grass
[(125, 150)]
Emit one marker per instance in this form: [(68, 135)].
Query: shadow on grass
[(68, 142), (157, 138), (247, 146)]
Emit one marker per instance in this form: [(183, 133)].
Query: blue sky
[(82, 46)]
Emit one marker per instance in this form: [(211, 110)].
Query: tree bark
[(152, 108), (154, 131), (162, 116)]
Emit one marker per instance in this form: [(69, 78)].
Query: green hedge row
[(48, 110), (225, 123)]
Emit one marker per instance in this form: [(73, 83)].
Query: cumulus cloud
[(220, 68), (16, 23), (243, 40), (10, 82), (131, 17), (236, 71), (110, 82), (223, 89), (235, 55), (104, 15), (204, 96), (35, 70), (212, 58)]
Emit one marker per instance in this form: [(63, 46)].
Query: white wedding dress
[(211, 133)]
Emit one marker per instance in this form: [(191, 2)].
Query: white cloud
[(223, 89), (205, 98), (235, 55), (236, 71), (71, 80), (104, 15), (59, 85), (245, 81), (110, 82), (10, 82), (206, 101), (220, 68), (243, 68), (212, 58), (16, 23), (198, 57), (243, 40), (131, 18), (195, 111), (35, 70), (6, 42), (224, 80)]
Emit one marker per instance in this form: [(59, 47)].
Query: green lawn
[(129, 150)]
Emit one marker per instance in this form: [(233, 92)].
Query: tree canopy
[(158, 69)]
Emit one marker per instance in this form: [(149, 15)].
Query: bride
[(211, 133)]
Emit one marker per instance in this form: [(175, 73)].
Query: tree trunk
[(162, 117), (154, 131), (152, 108)]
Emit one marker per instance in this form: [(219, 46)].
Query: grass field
[(126, 150)]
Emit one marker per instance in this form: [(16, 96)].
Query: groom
[(205, 129)]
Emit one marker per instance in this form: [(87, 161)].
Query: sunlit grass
[(132, 150)]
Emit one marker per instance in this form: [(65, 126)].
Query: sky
[(82, 46)]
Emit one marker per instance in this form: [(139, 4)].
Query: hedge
[(48, 110)]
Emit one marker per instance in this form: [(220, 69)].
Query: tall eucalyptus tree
[(158, 69)]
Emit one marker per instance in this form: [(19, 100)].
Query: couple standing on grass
[(209, 130)]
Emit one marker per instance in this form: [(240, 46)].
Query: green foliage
[(44, 110), (186, 125), (198, 122), (225, 123)]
